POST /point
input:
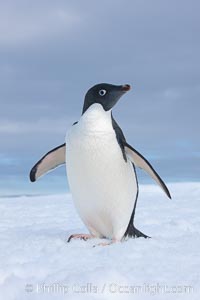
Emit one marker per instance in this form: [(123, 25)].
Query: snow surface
[(37, 263)]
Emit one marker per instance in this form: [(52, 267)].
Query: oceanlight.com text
[(111, 288)]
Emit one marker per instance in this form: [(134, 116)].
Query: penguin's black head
[(105, 94)]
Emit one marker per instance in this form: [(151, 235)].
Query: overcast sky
[(52, 52)]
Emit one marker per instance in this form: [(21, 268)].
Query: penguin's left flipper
[(139, 161), (48, 162)]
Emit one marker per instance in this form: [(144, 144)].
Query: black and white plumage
[(101, 167)]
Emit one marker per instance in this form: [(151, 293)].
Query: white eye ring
[(102, 92)]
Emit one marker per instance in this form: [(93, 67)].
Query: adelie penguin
[(101, 168)]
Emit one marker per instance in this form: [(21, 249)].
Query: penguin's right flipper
[(140, 161), (48, 162)]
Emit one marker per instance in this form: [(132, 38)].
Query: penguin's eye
[(102, 92)]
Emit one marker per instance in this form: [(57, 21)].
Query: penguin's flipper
[(139, 161), (48, 162)]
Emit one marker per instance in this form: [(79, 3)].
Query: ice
[(37, 263)]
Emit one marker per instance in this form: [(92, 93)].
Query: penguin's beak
[(126, 87)]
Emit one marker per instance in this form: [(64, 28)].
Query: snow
[(37, 263)]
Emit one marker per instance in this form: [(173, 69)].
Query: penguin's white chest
[(103, 185)]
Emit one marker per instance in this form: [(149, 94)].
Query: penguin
[(101, 168)]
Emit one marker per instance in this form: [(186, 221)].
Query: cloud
[(53, 51), (21, 24), (42, 126)]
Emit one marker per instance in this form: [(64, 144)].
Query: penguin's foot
[(106, 243), (81, 236)]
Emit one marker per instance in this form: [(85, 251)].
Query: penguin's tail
[(133, 232)]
